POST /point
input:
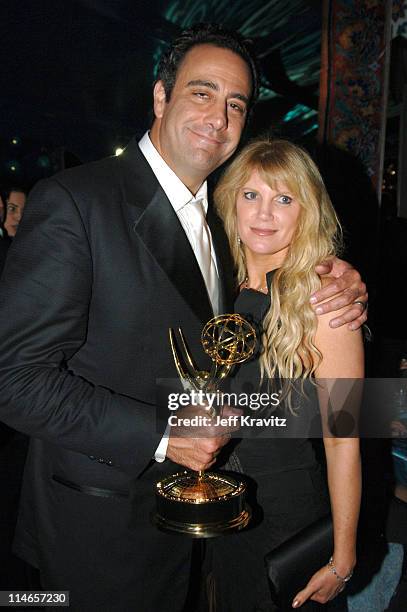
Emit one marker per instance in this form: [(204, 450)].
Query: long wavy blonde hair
[(290, 323)]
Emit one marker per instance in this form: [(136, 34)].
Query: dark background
[(76, 77)]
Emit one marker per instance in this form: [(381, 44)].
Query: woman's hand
[(322, 587)]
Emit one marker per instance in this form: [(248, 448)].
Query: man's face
[(14, 211), (200, 127)]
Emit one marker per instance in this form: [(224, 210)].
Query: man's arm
[(44, 299), (348, 289)]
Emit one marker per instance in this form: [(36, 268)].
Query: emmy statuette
[(206, 504)]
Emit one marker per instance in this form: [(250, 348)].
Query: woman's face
[(15, 208), (266, 218)]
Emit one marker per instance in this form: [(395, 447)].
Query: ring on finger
[(362, 304)]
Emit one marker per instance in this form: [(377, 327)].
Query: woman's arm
[(342, 358)]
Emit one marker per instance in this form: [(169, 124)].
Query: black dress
[(287, 492)]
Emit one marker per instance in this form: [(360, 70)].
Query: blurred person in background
[(13, 445), (4, 239), (1, 215), (15, 198)]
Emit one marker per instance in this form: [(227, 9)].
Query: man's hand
[(348, 289), (195, 453), (197, 447)]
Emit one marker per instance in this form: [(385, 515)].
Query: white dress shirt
[(181, 200)]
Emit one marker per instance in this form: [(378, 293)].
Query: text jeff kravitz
[(226, 421)]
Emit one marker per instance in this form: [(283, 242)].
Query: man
[(108, 257), (15, 203)]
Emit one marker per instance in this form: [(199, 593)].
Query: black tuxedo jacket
[(98, 272)]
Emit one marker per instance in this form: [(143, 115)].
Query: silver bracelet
[(332, 569)]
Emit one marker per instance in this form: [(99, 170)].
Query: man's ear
[(159, 99)]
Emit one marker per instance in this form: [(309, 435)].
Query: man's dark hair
[(205, 34)]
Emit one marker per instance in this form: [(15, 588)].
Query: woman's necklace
[(245, 285)]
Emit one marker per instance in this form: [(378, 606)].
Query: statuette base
[(201, 505)]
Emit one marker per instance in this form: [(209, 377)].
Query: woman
[(15, 203), (281, 224), (4, 239)]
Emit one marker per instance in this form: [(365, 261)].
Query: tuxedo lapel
[(163, 235), (158, 226)]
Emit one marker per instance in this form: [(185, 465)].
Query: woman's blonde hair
[(290, 323)]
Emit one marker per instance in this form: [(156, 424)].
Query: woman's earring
[(239, 242)]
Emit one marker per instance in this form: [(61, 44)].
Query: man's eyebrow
[(240, 96), (203, 83), (215, 87)]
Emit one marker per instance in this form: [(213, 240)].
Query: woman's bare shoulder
[(341, 348)]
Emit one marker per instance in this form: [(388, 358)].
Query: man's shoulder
[(101, 185), (90, 176), (103, 173)]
